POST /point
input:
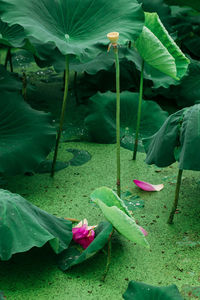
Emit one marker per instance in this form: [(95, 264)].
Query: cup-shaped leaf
[(124, 224), (75, 254), (159, 50), (74, 26), (26, 135), (23, 226), (141, 291), (178, 139)]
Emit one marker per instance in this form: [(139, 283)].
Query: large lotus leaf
[(110, 198), (192, 3), (12, 36), (75, 26), (159, 50), (178, 139), (143, 291), (26, 135), (123, 223), (75, 254), (160, 147), (101, 119), (9, 81), (23, 226)]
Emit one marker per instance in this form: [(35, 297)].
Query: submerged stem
[(118, 118), (174, 207), (139, 112), (62, 115)]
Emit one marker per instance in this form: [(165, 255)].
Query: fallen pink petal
[(143, 231), (146, 186)]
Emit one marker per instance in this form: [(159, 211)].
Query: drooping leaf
[(159, 50), (109, 197), (141, 291), (75, 27), (26, 135), (11, 36), (80, 157), (101, 119), (75, 255), (124, 224), (178, 139), (23, 226)]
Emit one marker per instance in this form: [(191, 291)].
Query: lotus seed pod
[(113, 37)]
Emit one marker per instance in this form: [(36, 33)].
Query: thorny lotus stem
[(62, 115), (108, 257), (118, 119), (139, 112), (24, 85), (174, 207), (9, 59)]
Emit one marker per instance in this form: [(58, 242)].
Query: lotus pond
[(99, 149)]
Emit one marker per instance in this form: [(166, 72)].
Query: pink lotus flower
[(146, 186), (143, 231), (83, 234)]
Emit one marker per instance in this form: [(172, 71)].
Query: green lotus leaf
[(23, 226), (75, 254), (9, 81), (141, 291), (110, 198), (159, 50), (178, 139), (26, 135), (11, 36), (123, 223), (101, 119), (192, 3), (74, 26)]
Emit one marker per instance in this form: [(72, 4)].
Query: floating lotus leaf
[(141, 291), (75, 254), (101, 119), (26, 135), (12, 36), (177, 140), (23, 226), (159, 50), (74, 26)]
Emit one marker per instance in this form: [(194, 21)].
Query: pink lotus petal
[(86, 241), (143, 231), (148, 186), (79, 232)]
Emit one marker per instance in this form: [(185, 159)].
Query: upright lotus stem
[(113, 37), (24, 85), (9, 59), (178, 185), (139, 112), (62, 116)]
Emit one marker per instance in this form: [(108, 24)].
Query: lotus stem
[(174, 207), (75, 88), (108, 256), (9, 59), (118, 119), (72, 220), (62, 115), (24, 85), (139, 112)]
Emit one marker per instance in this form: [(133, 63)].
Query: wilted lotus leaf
[(23, 226)]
